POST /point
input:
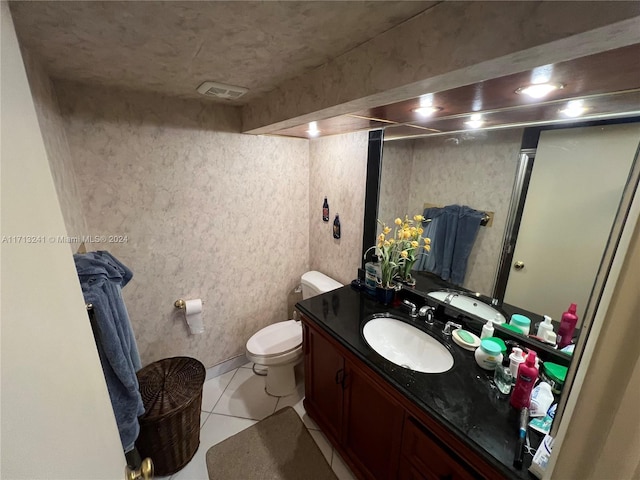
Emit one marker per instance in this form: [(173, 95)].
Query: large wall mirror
[(553, 195)]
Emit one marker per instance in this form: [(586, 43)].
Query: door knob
[(518, 265)]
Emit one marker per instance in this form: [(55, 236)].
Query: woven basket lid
[(169, 384)]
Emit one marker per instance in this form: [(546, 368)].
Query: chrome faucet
[(447, 327), (412, 307), (428, 313), (450, 297)]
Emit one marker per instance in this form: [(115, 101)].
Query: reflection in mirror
[(569, 203)]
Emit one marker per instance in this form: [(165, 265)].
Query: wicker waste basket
[(171, 391)]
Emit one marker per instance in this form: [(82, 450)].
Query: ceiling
[(608, 84), (172, 47)]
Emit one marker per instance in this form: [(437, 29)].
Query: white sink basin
[(406, 345), (469, 305)]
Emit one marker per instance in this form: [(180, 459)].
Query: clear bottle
[(372, 275), (502, 376)]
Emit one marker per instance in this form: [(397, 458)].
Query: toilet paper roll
[(193, 314)]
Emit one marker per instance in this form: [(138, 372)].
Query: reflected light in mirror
[(539, 90), (475, 121), (574, 108)]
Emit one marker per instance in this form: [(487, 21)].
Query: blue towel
[(453, 231), (102, 277)]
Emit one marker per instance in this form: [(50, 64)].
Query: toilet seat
[(276, 340)]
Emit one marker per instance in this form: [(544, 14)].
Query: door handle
[(518, 265)]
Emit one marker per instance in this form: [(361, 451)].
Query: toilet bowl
[(278, 346)]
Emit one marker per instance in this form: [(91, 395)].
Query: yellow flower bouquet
[(399, 252)]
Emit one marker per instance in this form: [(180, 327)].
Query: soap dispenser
[(545, 328), (487, 329)]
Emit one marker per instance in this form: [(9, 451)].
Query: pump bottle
[(527, 376)]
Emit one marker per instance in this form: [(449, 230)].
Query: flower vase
[(385, 295), (405, 274)]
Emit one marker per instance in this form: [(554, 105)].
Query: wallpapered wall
[(207, 213), (338, 169), (477, 170), (397, 160), (55, 142)]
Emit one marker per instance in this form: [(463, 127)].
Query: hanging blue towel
[(453, 231), (102, 277)]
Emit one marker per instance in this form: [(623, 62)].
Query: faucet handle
[(428, 313), (412, 307), (447, 327)]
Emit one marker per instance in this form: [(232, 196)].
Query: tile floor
[(236, 400)]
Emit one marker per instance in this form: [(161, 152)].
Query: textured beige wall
[(395, 181), (55, 142), (477, 170), (337, 170), (209, 213)]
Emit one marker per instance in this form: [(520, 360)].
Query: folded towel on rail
[(102, 277)]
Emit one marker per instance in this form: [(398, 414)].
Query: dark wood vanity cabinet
[(371, 425), (353, 412)]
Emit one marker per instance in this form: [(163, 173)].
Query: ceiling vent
[(220, 90)]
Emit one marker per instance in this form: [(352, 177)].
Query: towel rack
[(487, 220)]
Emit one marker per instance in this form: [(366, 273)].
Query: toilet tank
[(315, 283)]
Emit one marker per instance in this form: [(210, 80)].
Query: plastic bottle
[(541, 400), (488, 355), (545, 328), (522, 322), (487, 329), (372, 274), (527, 376), (567, 326), (515, 359), (325, 210)]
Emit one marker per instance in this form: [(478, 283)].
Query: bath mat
[(276, 448)]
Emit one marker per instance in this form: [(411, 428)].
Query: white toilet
[(279, 346)]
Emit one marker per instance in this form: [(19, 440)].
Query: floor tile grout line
[(225, 389)]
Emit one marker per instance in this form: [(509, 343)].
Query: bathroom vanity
[(391, 422)]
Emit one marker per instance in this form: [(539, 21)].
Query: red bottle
[(567, 326), (527, 376)]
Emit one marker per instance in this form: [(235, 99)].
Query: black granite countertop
[(463, 399)]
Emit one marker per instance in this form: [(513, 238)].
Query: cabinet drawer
[(429, 457)]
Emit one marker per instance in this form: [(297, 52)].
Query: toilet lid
[(277, 338)]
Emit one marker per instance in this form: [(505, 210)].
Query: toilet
[(279, 346)]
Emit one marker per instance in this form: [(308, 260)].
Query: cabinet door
[(372, 426), (428, 457), (324, 379)]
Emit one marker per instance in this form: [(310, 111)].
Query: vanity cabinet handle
[(340, 377)]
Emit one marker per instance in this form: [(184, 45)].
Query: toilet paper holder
[(180, 303)]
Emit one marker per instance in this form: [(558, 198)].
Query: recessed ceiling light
[(426, 111), (313, 129), (539, 90), (574, 108), (475, 121)]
